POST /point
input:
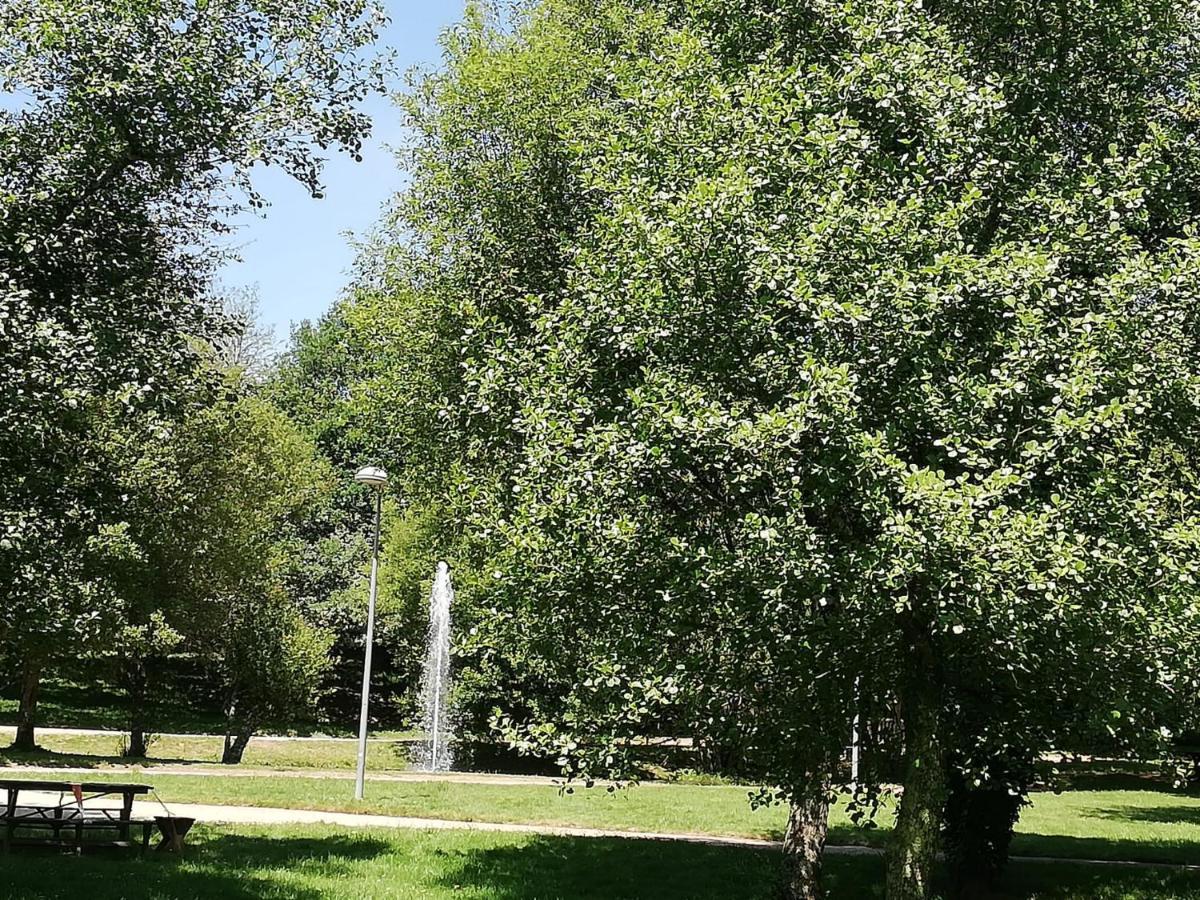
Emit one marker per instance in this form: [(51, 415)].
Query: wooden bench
[(65, 823)]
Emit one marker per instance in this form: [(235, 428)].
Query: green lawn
[(650, 807), (1149, 826), (1131, 824), (321, 862), (84, 701), (81, 703), (93, 750)]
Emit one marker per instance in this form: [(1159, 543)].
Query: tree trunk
[(135, 675), (808, 825), (237, 732), (979, 830), (912, 854), (235, 745), (980, 819), (31, 683)]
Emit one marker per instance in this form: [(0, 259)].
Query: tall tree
[(215, 505), (803, 344), (134, 127), (363, 382)]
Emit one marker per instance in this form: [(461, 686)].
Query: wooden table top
[(97, 787)]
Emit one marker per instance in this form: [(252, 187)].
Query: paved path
[(268, 738), (146, 771), (261, 815), (285, 738)]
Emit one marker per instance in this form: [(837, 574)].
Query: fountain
[(436, 753)]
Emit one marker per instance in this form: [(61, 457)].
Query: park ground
[(1069, 843)]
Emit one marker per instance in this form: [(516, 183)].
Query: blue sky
[(297, 254)]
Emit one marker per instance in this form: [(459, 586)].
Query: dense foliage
[(811, 345), (128, 129), (757, 365), (359, 383)]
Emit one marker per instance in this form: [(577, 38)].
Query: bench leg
[(10, 811), (145, 838), (79, 838)]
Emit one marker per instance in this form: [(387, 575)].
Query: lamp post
[(376, 479)]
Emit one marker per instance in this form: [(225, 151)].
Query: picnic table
[(45, 823)]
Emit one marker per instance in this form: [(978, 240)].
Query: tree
[(114, 177), (216, 508), (272, 662), (249, 348), (363, 383), (807, 344)]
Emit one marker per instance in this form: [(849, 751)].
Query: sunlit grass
[(1147, 826), (100, 750)]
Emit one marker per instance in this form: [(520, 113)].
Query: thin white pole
[(854, 740), (366, 685)]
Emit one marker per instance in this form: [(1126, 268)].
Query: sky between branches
[(298, 254)]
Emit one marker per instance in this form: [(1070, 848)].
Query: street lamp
[(376, 479)]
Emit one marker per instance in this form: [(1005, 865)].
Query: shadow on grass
[(1168, 851), (610, 869), (842, 835), (66, 703), (1075, 881), (1112, 775), (591, 869), (1158, 782), (1166, 815), (75, 705), (240, 866), (228, 866), (53, 759)]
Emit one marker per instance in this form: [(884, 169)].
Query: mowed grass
[(1143, 826), (99, 750), (322, 862), (84, 701)]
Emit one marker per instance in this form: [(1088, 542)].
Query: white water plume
[(436, 752)]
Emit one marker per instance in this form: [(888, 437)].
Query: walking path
[(261, 815), (269, 738), (285, 738), (207, 770)]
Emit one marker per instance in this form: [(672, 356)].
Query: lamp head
[(373, 476)]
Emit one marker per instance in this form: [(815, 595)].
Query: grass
[(1154, 826), (1147, 826), (93, 704), (97, 751), (84, 701), (298, 863)]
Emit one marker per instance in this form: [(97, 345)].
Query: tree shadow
[(1156, 781), (54, 759), (1167, 815), (1112, 775), (626, 869), (241, 866), (1073, 881), (611, 869), (78, 702), (1160, 851), (227, 866), (846, 835)]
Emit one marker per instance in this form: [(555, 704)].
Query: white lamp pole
[(377, 479)]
